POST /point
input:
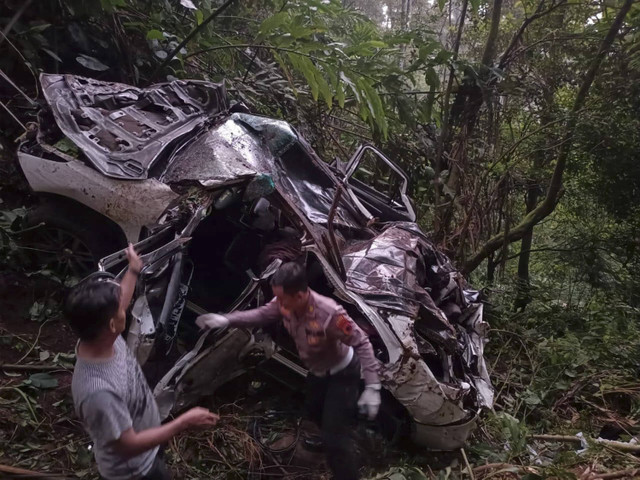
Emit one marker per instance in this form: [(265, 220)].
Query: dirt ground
[(40, 431)]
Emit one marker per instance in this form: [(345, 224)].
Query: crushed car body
[(215, 200)]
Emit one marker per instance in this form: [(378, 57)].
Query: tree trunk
[(542, 158), (464, 112), (444, 134), (523, 286), (555, 185), (491, 270)]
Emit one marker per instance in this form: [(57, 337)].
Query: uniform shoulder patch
[(344, 324)]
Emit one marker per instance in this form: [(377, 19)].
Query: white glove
[(369, 402), (210, 321)]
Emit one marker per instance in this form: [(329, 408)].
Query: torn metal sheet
[(245, 146), (225, 154), (184, 383), (389, 270), (411, 381), (130, 205), (277, 134), (124, 130), (142, 331)]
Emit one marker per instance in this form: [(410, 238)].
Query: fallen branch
[(466, 462), (494, 466), (557, 438), (620, 446), (28, 473), (631, 473)]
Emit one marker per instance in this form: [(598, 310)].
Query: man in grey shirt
[(110, 394)]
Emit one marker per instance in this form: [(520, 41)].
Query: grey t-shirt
[(111, 396)]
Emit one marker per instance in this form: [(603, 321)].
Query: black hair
[(291, 277), (90, 306)]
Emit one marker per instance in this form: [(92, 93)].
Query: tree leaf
[(155, 35), (324, 88), (273, 22), (375, 44), (374, 104), (431, 77), (199, 16), (188, 4), (52, 54), (441, 4), (36, 310), (305, 66), (40, 28), (43, 380), (110, 5), (340, 94), (405, 110), (442, 56), (91, 63)]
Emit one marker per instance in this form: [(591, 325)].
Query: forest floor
[(41, 433)]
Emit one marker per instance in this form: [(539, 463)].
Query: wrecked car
[(215, 199)]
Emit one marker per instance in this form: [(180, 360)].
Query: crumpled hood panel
[(124, 130), (226, 153)]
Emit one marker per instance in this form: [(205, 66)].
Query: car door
[(380, 185)]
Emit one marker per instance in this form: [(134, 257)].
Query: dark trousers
[(159, 470), (331, 403)]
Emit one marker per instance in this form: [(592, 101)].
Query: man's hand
[(128, 283), (135, 262), (198, 417), (211, 321), (369, 402), (132, 443)]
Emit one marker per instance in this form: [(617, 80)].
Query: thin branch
[(445, 103), (516, 38), (355, 134), (554, 249), (193, 33), (555, 185), (13, 116), (277, 49), (26, 63), (13, 20)]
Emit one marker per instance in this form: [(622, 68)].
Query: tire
[(67, 239)]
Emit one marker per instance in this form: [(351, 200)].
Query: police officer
[(334, 349)]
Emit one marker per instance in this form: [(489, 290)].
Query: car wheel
[(66, 239)]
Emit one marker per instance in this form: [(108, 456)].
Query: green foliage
[(586, 349), (401, 473), (42, 380), (511, 432)]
